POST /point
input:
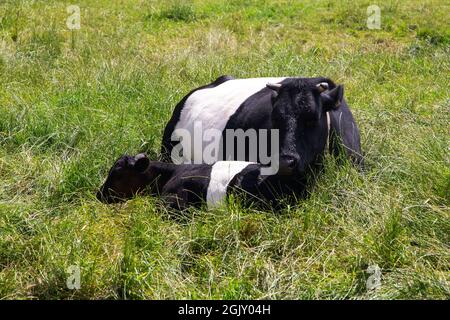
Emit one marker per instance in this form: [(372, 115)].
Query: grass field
[(71, 102)]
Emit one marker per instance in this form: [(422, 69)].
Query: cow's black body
[(300, 143)]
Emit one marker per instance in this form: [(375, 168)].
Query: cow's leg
[(174, 201)]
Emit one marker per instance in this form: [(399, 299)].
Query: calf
[(187, 185)]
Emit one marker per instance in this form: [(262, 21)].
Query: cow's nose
[(291, 163), (288, 164)]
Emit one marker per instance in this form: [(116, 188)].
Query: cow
[(191, 185), (307, 112)]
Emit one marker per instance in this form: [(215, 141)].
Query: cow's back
[(167, 143), (212, 107)]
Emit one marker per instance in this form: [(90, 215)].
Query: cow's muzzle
[(288, 165)]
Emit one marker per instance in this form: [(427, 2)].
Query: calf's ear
[(332, 99), (141, 162)]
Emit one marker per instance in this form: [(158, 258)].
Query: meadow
[(72, 101)]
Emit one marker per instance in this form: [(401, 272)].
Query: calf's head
[(126, 178), (299, 113)]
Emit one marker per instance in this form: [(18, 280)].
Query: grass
[(69, 109)]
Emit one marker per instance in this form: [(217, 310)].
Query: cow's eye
[(275, 113), (311, 123), (276, 118)]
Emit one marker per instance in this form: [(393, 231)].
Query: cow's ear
[(274, 86), (332, 99), (141, 162)]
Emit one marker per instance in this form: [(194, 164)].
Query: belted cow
[(307, 112), (184, 185)]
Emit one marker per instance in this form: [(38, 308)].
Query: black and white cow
[(306, 111), (185, 185)]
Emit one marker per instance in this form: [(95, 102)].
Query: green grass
[(69, 109)]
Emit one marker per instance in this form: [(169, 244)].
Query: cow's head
[(127, 177), (299, 112)]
